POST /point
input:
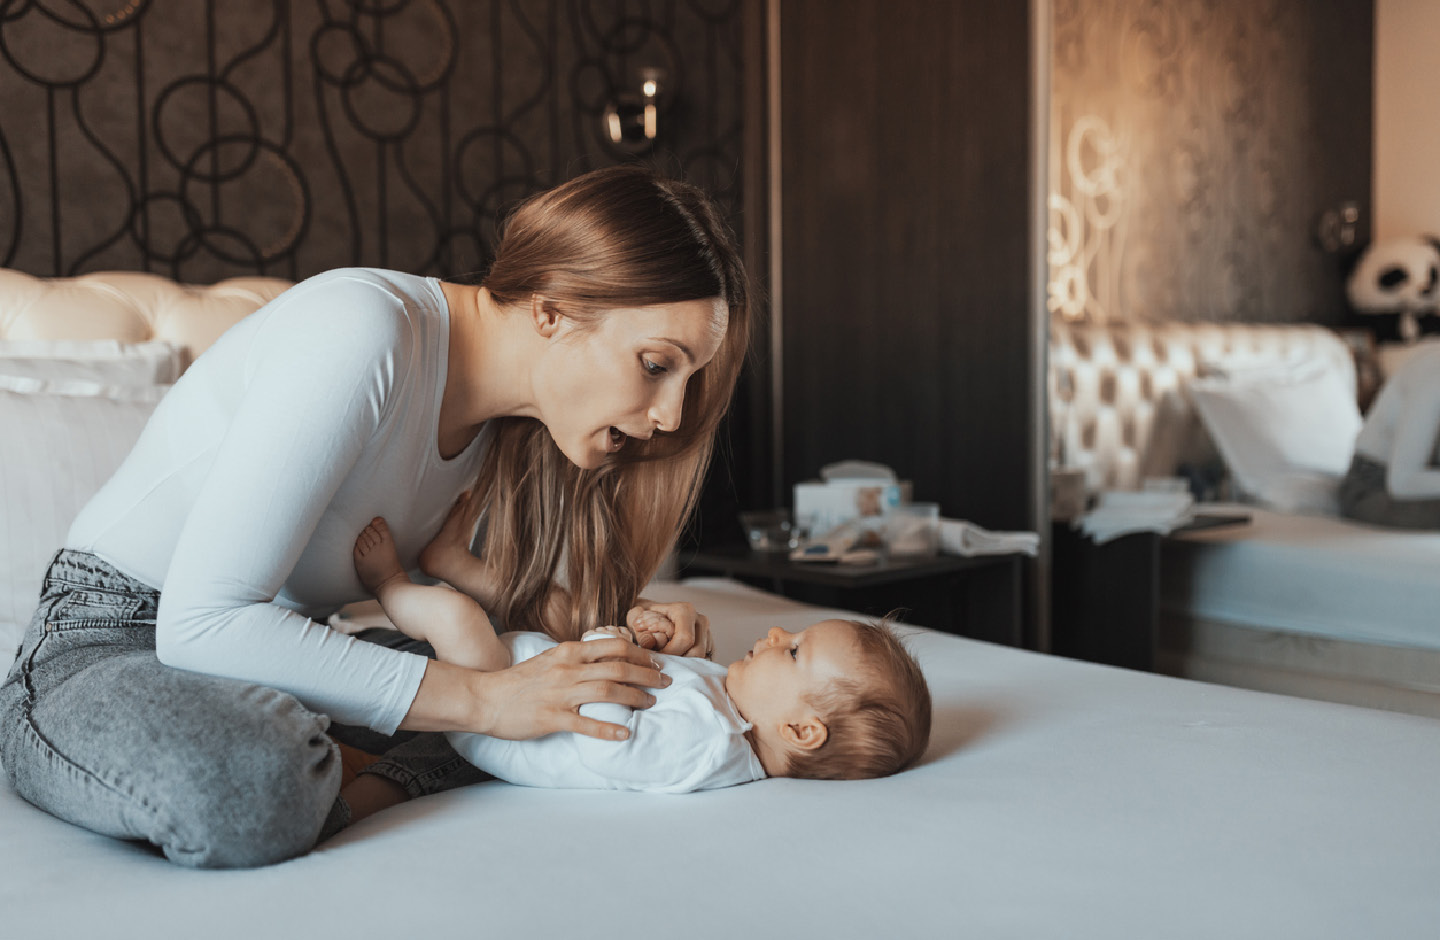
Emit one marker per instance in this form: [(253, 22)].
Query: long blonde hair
[(618, 237)]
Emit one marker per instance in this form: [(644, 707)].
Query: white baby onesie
[(692, 738)]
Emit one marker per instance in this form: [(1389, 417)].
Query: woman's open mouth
[(617, 440)]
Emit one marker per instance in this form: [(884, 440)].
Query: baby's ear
[(805, 735)]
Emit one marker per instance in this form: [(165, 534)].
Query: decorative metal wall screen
[(285, 137)]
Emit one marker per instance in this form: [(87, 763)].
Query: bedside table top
[(741, 560)]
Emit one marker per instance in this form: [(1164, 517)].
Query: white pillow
[(106, 361), (62, 441), (1287, 434)]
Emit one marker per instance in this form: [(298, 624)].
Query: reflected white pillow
[(62, 441), (106, 361), (1287, 434)]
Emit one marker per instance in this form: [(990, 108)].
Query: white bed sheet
[(1059, 799), (1310, 574)]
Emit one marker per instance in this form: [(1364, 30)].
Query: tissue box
[(821, 506)]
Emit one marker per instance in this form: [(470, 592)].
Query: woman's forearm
[(450, 698)]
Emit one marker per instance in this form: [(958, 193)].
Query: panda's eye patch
[(1392, 277), (1430, 284)]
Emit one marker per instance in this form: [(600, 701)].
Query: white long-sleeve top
[(244, 494), (1403, 425), (692, 738)]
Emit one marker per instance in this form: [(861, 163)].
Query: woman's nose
[(665, 413)]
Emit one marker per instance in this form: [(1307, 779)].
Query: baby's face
[(769, 686)]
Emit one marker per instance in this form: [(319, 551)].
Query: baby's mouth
[(617, 439)]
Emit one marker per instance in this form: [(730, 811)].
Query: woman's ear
[(545, 314), (806, 734)]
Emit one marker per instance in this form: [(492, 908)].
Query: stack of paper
[(1120, 513), (958, 537)]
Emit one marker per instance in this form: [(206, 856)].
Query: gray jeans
[(217, 772)]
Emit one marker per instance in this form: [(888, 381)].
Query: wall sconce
[(1336, 230), (632, 122)]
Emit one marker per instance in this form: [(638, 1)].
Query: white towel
[(959, 537)]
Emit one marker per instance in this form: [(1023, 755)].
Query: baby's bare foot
[(450, 549), (376, 560)]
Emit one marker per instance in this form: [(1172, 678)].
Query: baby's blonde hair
[(878, 722)]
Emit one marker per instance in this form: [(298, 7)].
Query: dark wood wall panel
[(905, 130)]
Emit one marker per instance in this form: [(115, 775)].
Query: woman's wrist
[(450, 698)]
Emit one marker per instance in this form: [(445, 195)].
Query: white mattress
[(1321, 576), (1059, 799)]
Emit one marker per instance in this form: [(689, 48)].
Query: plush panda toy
[(1398, 276)]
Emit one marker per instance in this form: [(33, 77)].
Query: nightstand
[(1105, 599), (977, 596)]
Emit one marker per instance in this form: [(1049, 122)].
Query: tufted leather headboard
[(128, 305), (1108, 383)]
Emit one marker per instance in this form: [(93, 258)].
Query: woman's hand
[(543, 694), (692, 629)]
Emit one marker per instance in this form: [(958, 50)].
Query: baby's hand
[(652, 628)]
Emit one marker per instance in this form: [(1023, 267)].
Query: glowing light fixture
[(632, 122)]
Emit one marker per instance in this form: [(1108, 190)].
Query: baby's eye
[(794, 652)]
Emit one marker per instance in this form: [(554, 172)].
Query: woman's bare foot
[(376, 560), (448, 554)]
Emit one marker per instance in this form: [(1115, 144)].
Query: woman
[(1394, 479), (177, 682)]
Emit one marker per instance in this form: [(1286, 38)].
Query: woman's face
[(623, 376)]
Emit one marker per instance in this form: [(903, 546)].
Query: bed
[(1058, 799), (1298, 601)]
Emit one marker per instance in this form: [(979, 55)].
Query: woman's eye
[(654, 368)]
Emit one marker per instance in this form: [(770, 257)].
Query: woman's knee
[(265, 795), (216, 772)]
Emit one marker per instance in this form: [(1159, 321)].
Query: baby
[(838, 699)]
